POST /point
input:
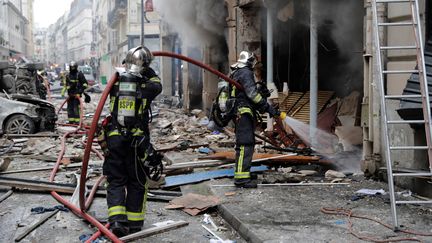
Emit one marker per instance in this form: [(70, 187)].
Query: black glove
[(154, 164), (87, 98), (272, 111)]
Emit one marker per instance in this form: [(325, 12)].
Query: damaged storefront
[(319, 57)]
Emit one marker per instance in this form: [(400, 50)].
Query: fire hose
[(84, 202)]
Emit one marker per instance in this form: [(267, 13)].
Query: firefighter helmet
[(73, 66), (137, 59), (246, 59)]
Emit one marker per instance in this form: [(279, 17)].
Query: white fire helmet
[(246, 59)]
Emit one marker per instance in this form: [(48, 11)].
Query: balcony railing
[(119, 10)]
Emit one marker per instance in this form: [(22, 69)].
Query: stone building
[(280, 33)]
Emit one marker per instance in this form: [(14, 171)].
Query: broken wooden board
[(179, 180), (6, 195), (46, 186), (4, 163), (297, 106), (34, 226), (153, 231), (294, 159)]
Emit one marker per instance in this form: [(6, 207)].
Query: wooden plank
[(25, 170), (37, 224), (42, 186), (153, 231), (69, 188), (6, 195), (230, 155), (70, 166), (5, 162), (31, 135), (196, 164)]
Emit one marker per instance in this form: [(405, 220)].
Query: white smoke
[(342, 15), (197, 22)]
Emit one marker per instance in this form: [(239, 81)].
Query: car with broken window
[(25, 114), (22, 113)]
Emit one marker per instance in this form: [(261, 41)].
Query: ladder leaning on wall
[(380, 75)]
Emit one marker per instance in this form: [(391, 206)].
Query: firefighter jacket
[(249, 96), (74, 83)]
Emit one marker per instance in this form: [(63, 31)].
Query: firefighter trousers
[(245, 142), (127, 185), (73, 109)]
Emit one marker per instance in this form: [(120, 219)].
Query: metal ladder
[(381, 73)]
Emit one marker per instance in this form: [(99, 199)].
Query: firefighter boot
[(119, 229), (246, 184)]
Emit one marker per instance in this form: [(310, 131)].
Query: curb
[(245, 232), (239, 226)]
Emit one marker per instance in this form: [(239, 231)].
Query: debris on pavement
[(194, 204)]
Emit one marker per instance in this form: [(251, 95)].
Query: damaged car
[(25, 114), (21, 109)]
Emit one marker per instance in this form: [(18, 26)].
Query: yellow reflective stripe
[(233, 91), (144, 103), (74, 119), (257, 98), (155, 79), (242, 175), (133, 216), (63, 91), (111, 105), (73, 80), (240, 160), (137, 132), (116, 210), (145, 157), (114, 133), (67, 87), (244, 110), (85, 85)]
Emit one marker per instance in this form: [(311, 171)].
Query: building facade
[(279, 33), (14, 30), (80, 31), (117, 29), (40, 44)]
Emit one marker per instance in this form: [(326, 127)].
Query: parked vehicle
[(88, 74), (25, 114), (22, 77)]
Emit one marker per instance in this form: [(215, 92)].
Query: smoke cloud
[(198, 22), (344, 20)]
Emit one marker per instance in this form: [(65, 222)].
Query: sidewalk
[(292, 213)]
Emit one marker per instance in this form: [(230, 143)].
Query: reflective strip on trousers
[(239, 174), (242, 175), (116, 210), (133, 216)]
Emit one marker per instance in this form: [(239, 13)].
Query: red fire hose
[(83, 202)]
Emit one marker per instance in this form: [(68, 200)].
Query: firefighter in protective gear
[(74, 83), (247, 102), (128, 142)]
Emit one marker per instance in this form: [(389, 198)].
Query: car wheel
[(20, 124)]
